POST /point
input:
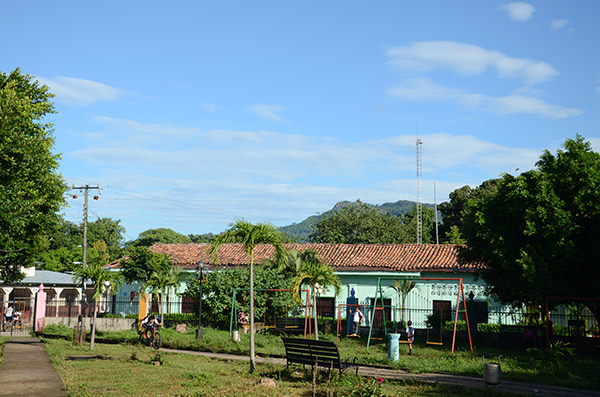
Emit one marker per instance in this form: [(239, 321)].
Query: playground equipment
[(461, 293), (273, 322), (339, 319)]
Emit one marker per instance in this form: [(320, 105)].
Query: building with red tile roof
[(361, 267)]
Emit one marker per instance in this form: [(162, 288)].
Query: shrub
[(483, 327), (461, 325)]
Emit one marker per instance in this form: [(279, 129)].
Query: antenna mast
[(419, 210)]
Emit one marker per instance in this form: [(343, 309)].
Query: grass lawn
[(577, 372), (131, 370)]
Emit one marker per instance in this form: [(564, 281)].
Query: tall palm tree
[(101, 281), (250, 236), (315, 274)]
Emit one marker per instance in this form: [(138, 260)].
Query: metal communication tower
[(419, 210)]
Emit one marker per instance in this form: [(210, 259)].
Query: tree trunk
[(93, 337), (160, 307), (252, 315), (316, 317)]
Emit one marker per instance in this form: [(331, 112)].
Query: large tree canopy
[(453, 211), (538, 235), (359, 223), (160, 236), (31, 190)]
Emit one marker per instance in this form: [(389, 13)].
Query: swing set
[(461, 293), (274, 325)]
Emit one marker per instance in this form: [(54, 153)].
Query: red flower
[(379, 381)]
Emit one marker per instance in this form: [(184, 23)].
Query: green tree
[(110, 231), (454, 236), (31, 190), (162, 280), (453, 211), (250, 235), (160, 236), (67, 235), (217, 291), (102, 281), (152, 271), (287, 263), (358, 223), (318, 276), (202, 238), (427, 225), (538, 235), (402, 288)]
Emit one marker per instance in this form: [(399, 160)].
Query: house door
[(387, 306)]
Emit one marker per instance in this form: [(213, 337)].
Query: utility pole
[(85, 216), (84, 264)]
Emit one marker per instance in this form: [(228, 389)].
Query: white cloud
[(468, 59), (211, 107), (205, 178), (267, 112), (556, 24), (423, 89), (80, 92), (519, 11), (512, 104)]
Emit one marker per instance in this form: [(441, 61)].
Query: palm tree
[(317, 275), (249, 235), (160, 281), (101, 281), (402, 288), (287, 263)]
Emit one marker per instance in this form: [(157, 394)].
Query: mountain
[(301, 231)]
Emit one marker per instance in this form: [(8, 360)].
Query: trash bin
[(492, 372), (235, 335), (393, 347)]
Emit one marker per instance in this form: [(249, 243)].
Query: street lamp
[(199, 269), (107, 286)]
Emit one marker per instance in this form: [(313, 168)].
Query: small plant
[(552, 357), (157, 359), (371, 387)]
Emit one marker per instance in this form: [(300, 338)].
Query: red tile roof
[(343, 257)]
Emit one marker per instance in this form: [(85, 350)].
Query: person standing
[(8, 316), (410, 335), (357, 319)]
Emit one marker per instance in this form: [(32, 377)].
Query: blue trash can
[(394, 347)]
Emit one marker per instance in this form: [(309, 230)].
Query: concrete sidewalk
[(27, 370)]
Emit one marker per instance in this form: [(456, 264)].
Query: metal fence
[(564, 322)]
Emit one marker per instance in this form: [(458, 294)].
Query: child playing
[(410, 334)]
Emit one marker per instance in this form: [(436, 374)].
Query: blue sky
[(190, 114)]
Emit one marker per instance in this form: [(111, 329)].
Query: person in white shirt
[(8, 315), (357, 319), (410, 335)]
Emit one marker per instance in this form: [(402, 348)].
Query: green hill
[(301, 231)]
